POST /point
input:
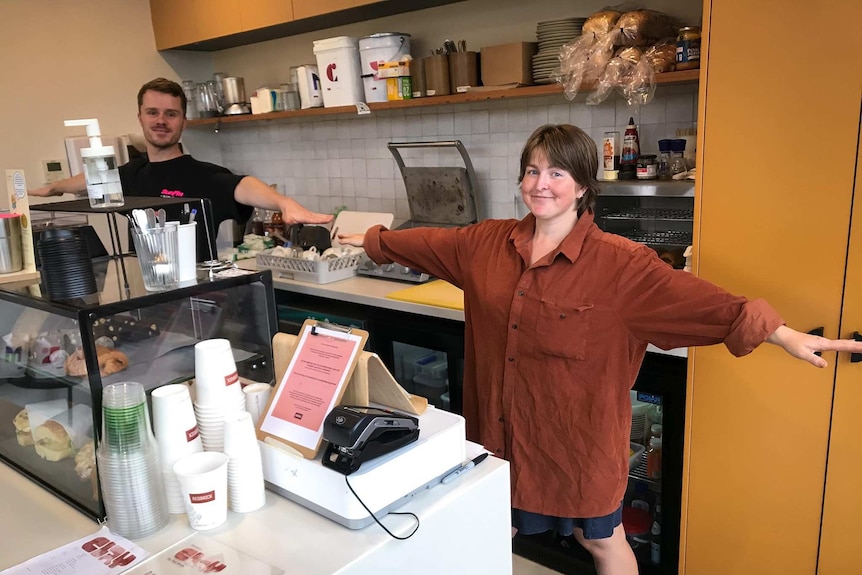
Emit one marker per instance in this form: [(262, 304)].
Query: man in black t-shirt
[(166, 172)]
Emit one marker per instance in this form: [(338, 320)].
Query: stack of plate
[(552, 34)]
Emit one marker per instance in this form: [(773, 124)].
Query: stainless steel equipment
[(235, 100), (437, 197)]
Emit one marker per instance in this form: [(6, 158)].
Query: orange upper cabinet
[(181, 22), (364, 2), (217, 18), (174, 23), (256, 14), (309, 8)]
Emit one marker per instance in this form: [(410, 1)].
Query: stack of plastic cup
[(128, 463), (245, 469), (176, 431), (203, 479), (218, 393)]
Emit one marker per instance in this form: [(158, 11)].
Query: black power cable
[(415, 529)]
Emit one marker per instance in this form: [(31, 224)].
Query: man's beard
[(163, 145)]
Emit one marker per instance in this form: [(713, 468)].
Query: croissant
[(110, 361)]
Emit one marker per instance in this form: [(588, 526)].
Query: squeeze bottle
[(100, 168)]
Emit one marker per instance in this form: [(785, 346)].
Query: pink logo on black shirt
[(166, 193)]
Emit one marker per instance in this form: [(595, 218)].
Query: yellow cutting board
[(438, 292)]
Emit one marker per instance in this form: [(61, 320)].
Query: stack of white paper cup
[(245, 469), (256, 398), (203, 479), (177, 434), (218, 392)]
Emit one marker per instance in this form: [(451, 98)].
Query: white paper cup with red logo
[(203, 480), (216, 380), (256, 398), (174, 423)]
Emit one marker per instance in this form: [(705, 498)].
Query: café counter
[(464, 528)]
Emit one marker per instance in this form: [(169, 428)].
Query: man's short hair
[(164, 86)]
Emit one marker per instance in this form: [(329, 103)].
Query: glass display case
[(58, 355)]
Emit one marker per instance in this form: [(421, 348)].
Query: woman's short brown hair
[(569, 148), (164, 86)]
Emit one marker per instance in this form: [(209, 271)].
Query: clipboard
[(314, 381)]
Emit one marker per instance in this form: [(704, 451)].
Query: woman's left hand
[(803, 345)]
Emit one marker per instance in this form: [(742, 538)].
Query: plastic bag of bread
[(644, 27), (630, 74), (583, 61), (662, 55), (601, 22)]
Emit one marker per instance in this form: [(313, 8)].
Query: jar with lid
[(647, 167), (664, 159), (653, 459), (677, 161), (688, 48)]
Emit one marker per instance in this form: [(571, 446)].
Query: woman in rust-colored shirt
[(558, 317)]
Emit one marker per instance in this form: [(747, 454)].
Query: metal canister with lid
[(688, 48)]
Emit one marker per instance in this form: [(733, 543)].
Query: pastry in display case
[(60, 354)]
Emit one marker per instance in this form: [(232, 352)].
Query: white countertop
[(465, 528), (360, 290)]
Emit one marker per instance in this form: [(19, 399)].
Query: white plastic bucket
[(338, 62), (383, 47)]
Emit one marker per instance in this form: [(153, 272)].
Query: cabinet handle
[(817, 331), (856, 357)]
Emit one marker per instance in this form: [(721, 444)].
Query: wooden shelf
[(481, 95)]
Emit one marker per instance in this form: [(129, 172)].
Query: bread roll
[(52, 441), (22, 422), (643, 27), (601, 22), (24, 439), (662, 56), (85, 460)]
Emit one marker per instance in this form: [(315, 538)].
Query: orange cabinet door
[(309, 8), (839, 548), (217, 18), (770, 224), (174, 23), (256, 14)]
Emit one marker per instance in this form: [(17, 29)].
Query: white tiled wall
[(340, 160)]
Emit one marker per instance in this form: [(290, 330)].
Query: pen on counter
[(466, 466), (193, 214)]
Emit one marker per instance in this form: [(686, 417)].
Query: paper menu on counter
[(316, 377), (101, 553), (202, 554)]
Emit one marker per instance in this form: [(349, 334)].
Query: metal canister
[(11, 259), (688, 48)]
